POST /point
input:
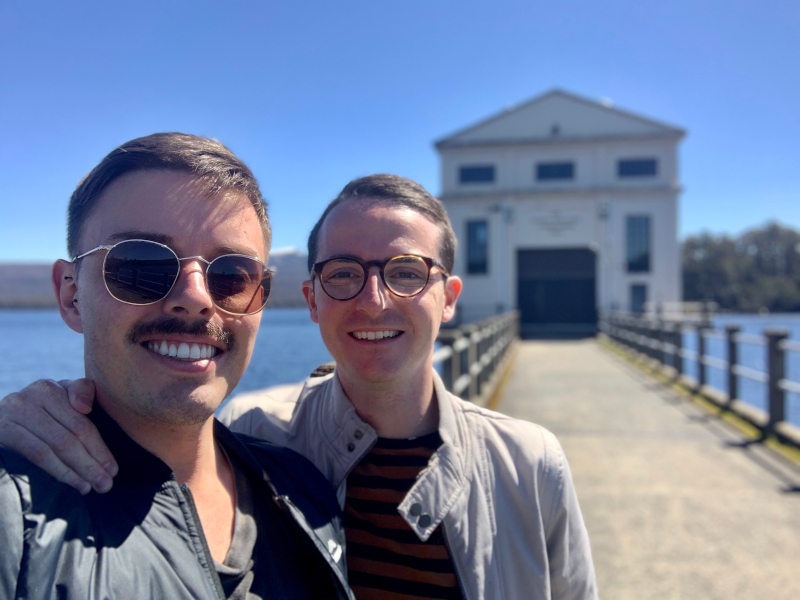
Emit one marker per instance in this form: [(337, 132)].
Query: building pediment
[(559, 115)]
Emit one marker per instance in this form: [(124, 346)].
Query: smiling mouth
[(182, 350), (375, 335)]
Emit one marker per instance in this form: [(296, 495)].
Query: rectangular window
[(637, 243), (638, 298), (637, 167), (476, 174), (555, 171), (477, 247)]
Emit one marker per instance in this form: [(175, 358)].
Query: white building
[(564, 207)]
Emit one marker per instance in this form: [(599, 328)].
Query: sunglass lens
[(238, 284), (140, 272)]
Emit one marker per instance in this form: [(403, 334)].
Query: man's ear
[(65, 284), (311, 299), (452, 290)]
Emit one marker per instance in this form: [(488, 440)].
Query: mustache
[(166, 326)]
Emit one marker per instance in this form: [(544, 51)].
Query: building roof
[(559, 115)]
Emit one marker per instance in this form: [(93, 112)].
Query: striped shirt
[(385, 558)]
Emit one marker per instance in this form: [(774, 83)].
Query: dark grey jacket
[(144, 540)]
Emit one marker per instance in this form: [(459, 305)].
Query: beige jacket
[(500, 487)]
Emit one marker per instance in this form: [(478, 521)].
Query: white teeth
[(375, 335), (183, 350)]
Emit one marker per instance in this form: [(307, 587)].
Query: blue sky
[(314, 93)]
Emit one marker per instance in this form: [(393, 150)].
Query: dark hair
[(207, 159), (395, 191)]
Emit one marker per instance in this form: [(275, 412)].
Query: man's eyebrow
[(342, 256), (246, 251), (168, 240), (135, 234)]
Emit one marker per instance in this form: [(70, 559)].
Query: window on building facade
[(637, 167), (638, 298), (637, 243), (477, 247), (551, 171), (476, 174)]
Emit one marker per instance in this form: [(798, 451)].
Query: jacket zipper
[(193, 518), (285, 503)]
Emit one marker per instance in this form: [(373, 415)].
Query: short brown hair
[(396, 191), (205, 158)]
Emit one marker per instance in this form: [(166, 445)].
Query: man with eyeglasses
[(169, 237), (442, 499)]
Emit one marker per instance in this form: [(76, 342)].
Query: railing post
[(677, 342), (661, 337), (641, 330), (450, 370), (775, 369), (701, 354), (649, 337), (472, 359), (731, 331)]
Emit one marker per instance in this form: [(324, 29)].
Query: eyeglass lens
[(144, 272), (344, 278)]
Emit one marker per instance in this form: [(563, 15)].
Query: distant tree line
[(758, 270)]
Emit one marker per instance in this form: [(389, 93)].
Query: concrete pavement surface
[(678, 504)]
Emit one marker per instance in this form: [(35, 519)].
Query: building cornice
[(528, 193), (558, 141)]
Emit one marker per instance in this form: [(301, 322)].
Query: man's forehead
[(161, 204), (395, 229), (358, 209)]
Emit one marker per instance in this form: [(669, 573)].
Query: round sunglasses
[(142, 272)]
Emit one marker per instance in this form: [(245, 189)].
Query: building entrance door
[(556, 292)]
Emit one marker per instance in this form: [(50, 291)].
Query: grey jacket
[(501, 487)]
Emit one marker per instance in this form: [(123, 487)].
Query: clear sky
[(314, 93)]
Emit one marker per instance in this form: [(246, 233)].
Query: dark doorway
[(556, 292)]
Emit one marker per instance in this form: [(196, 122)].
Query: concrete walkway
[(677, 504)]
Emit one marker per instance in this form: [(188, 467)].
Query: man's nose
[(190, 293), (375, 291)]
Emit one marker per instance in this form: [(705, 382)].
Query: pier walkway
[(678, 504)]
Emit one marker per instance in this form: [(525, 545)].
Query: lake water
[(36, 344)]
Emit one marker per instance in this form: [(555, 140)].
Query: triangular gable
[(558, 114)]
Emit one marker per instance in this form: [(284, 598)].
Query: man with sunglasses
[(441, 498), (169, 237)]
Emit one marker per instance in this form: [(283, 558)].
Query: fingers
[(40, 424), (81, 394)]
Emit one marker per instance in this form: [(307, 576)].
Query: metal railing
[(470, 357), (663, 342)]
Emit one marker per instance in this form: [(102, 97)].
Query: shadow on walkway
[(678, 504)]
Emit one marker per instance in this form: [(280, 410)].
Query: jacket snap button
[(415, 510), (424, 521), (358, 434), (351, 446)]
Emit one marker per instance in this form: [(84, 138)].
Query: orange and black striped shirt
[(385, 558)]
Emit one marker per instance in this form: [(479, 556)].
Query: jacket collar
[(137, 466), (438, 485)]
